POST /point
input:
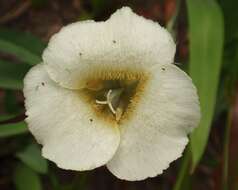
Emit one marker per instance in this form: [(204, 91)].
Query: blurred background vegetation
[(206, 33)]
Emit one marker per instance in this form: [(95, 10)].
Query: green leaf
[(39, 3), (206, 44), (11, 75), (20, 52), (230, 64), (230, 15), (26, 179), (31, 156), (85, 16), (24, 46), (11, 104), (6, 117), (183, 178), (7, 130), (99, 5)]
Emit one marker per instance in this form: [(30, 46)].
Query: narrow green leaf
[(99, 5), (7, 130), (20, 52), (24, 46), (183, 175), (230, 79), (85, 16), (230, 64), (39, 3), (31, 156), (24, 39), (206, 43), (11, 104), (26, 179), (11, 75), (5, 117), (230, 15)]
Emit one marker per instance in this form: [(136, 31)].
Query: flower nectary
[(113, 95)]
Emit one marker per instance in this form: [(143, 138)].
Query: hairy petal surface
[(124, 41), (157, 134), (63, 123)]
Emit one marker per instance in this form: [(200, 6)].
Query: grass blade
[(11, 75), (7, 130), (206, 44), (31, 156), (24, 46), (26, 179), (18, 51), (183, 175)]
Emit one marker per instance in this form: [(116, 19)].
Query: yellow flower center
[(114, 96)]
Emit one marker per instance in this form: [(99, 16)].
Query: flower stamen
[(113, 101), (101, 102)]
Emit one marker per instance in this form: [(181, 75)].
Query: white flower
[(107, 93)]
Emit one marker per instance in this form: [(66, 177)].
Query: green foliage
[(182, 181), (230, 14), (24, 46), (99, 6), (11, 103), (5, 117), (85, 16), (206, 36), (230, 81), (206, 45), (230, 67), (31, 156), (39, 3), (7, 130), (26, 179), (11, 75)]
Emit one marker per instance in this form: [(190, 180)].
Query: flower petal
[(141, 39), (63, 123), (124, 41), (157, 133)]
